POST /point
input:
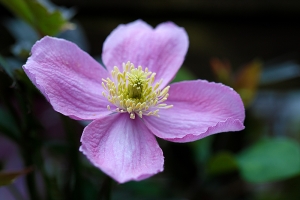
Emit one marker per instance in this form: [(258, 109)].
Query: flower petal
[(68, 77), (199, 109), (122, 148), (162, 49)]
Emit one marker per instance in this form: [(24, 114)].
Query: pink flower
[(130, 102)]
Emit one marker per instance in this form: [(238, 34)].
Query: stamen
[(132, 115), (140, 114), (132, 91)]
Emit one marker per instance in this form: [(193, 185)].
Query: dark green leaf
[(47, 21), (5, 66), (11, 66), (270, 160), (202, 149), (184, 74), (19, 8), (25, 36), (221, 163)]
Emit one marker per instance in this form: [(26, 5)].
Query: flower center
[(133, 91)]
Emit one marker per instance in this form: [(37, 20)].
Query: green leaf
[(46, 20), (11, 67), (270, 160), (222, 162), (20, 9), (5, 66), (7, 178), (184, 74), (202, 149), (24, 35)]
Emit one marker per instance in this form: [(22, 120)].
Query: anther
[(132, 116)]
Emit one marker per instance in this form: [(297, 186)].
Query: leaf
[(24, 35), (20, 9), (249, 75), (4, 65), (202, 149), (247, 81), (7, 178), (11, 66), (46, 20), (270, 160), (184, 74), (222, 162), (222, 70)]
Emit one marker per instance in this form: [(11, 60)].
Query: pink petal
[(122, 148), (162, 49), (199, 109), (68, 77)]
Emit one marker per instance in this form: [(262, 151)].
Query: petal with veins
[(162, 49), (199, 109), (68, 77), (122, 147)]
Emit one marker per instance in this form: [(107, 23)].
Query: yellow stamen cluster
[(134, 91)]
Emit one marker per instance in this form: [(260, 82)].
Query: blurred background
[(252, 46)]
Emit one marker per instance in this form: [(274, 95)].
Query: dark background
[(237, 30)]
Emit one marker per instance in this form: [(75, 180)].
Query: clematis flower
[(130, 101)]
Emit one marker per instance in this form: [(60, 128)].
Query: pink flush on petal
[(131, 101)]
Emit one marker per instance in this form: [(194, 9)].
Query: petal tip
[(226, 126), (125, 151), (137, 178)]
